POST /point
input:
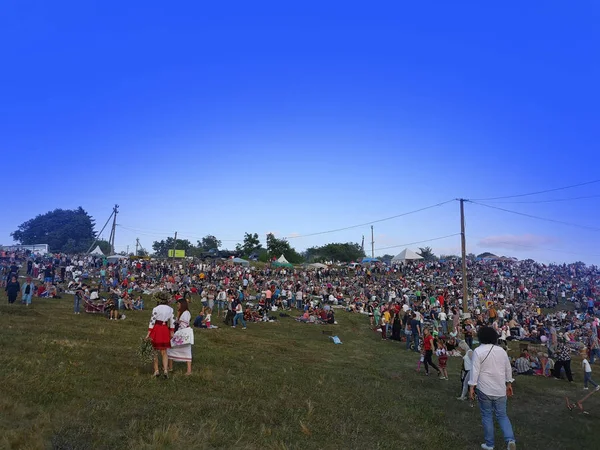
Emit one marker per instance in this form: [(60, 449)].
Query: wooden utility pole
[(372, 243), (174, 245), (137, 244), (114, 227), (464, 257)]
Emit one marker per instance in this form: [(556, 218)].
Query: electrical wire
[(585, 227), (369, 223), (418, 242), (145, 232), (552, 200), (538, 192)]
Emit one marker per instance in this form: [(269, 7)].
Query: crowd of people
[(548, 306), (549, 310)]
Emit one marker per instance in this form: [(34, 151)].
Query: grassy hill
[(75, 382)]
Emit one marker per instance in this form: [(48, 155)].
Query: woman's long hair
[(183, 307)]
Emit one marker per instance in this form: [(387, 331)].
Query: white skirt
[(181, 353)]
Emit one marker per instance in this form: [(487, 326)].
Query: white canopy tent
[(318, 266), (405, 255), (97, 251), (282, 260)]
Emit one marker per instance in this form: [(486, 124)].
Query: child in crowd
[(207, 318), (442, 355), (421, 359), (587, 369)]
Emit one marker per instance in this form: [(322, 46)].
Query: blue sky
[(306, 117)]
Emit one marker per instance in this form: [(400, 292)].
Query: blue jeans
[(445, 327), (240, 317), (587, 378), (415, 339), (76, 303), (593, 354), (490, 406)]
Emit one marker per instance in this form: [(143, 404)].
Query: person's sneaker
[(243, 328), (585, 389), (597, 388), (512, 445), (462, 399), (486, 447)]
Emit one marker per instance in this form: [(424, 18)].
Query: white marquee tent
[(405, 255), (282, 260), (97, 251)]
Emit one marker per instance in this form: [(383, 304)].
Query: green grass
[(74, 382)]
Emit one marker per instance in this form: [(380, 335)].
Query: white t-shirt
[(586, 366), (443, 316)]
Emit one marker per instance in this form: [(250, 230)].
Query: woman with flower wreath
[(182, 340), (160, 332)]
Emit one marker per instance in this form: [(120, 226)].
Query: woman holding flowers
[(160, 332)]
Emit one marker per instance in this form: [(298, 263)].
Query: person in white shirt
[(160, 332), (587, 373), (465, 374), (444, 322), (491, 377)]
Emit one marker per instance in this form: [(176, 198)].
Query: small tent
[(318, 266), (282, 260), (97, 251), (369, 260), (405, 255)]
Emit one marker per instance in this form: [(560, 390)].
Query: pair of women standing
[(172, 346)]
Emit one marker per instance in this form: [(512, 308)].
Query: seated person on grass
[(523, 365)]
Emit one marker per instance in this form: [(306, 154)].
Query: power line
[(585, 227), (141, 231), (539, 192), (368, 223), (553, 200), (419, 242)]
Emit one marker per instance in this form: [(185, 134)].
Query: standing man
[(491, 378), (27, 291), (415, 331)]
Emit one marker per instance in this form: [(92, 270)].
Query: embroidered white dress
[(181, 343)]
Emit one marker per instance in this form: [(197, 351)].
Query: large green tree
[(64, 230), (208, 243), (427, 253), (250, 245), (161, 248), (343, 252)]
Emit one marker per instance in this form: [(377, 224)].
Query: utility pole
[(363, 243), (174, 245), (372, 243), (127, 250), (464, 257), (137, 244), (114, 227)]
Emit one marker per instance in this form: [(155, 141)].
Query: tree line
[(72, 231)]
